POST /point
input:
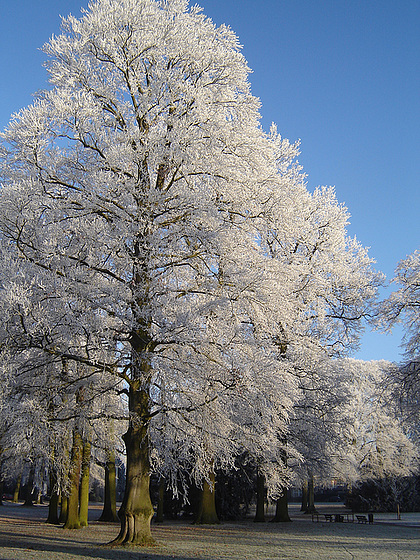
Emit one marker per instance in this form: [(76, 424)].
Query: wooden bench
[(361, 518), (328, 517)]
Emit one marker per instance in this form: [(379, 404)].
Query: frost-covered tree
[(329, 284), (45, 404), (135, 188), (403, 307), (159, 236), (315, 428), (374, 440)]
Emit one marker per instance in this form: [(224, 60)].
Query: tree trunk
[(259, 512), (1, 479), (17, 489), (282, 509), (136, 510), (64, 510), (304, 506), (29, 488), (84, 484), (109, 512), (72, 521), (311, 496), (207, 514), (161, 501), (53, 517)]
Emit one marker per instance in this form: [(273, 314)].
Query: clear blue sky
[(343, 76)]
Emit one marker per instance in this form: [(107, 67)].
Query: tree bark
[(84, 484), (259, 513), (64, 509), (17, 489), (136, 510), (207, 514), (282, 509), (311, 496), (53, 517), (109, 512), (72, 521), (304, 506), (161, 501), (1, 479), (29, 488)]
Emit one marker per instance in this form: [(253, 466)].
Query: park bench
[(361, 518), (328, 517)]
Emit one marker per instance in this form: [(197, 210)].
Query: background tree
[(375, 444), (403, 307)]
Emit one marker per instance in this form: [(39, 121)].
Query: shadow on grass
[(28, 542)]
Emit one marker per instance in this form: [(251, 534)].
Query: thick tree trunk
[(109, 512), (207, 514), (72, 521), (282, 509), (84, 484), (136, 510), (259, 512), (17, 489), (29, 488), (64, 509), (304, 506), (311, 496), (53, 518)]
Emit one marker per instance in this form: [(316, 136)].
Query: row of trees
[(165, 271)]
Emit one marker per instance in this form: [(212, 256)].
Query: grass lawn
[(25, 536)]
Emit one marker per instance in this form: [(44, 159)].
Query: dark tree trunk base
[(282, 509), (261, 493), (53, 518), (109, 517), (207, 514)]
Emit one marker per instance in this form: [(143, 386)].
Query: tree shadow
[(28, 542)]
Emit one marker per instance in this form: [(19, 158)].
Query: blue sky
[(343, 76)]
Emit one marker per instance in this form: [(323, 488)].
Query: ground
[(25, 536)]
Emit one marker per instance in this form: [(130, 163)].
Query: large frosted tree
[(134, 189)]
